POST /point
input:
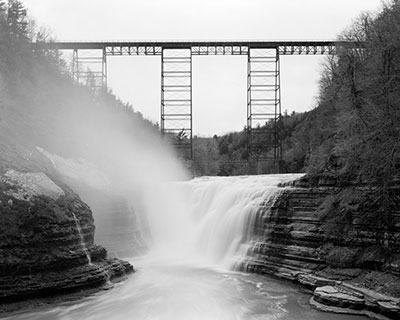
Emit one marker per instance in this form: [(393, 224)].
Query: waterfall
[(83, 244), (211, 219)]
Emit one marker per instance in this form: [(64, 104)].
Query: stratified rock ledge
[(320, 238), (71, 280), (345, 298), (47, 244)]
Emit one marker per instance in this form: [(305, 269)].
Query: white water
[(83, 244), (185, 275), (209, 220)]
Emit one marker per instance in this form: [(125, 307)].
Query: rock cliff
[(46, 240), (336, 242)]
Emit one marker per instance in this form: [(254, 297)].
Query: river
[(189, 271), (161, 290)]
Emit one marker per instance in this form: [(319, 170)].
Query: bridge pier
[(264, 105), (176, 99), (89, 67), (263, 82)]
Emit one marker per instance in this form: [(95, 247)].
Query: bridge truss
[(263, 82)]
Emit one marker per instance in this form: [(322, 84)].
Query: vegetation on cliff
[(360, 89), (40, 104), (354, 132), (42, 108)]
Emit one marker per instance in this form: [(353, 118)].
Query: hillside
[(57, 136), (353, 134)]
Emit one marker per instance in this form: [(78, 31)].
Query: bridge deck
[(198, 47)]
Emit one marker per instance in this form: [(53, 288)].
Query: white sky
[(219, 83)]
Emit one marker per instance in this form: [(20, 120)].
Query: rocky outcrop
[(330, 239), (118, 227), (347, 298), (47, 240)]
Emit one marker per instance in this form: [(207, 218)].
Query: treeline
[(360, 98), (353, 135), (41, 105), (229, 154)]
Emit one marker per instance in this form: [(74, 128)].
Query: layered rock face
[(287, 235), (47, 240), (118, 227), (328, 236)]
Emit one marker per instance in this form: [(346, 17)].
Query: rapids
[(199, 230)]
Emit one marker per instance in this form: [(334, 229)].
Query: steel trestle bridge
[(263, 81)]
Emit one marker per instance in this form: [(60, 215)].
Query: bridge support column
[(264, 106), (176, 99), (89, 67)]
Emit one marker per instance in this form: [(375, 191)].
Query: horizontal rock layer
[(328, 233), (47, 243), (68, 280)]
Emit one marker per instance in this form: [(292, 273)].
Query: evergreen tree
[(17, 18), (3, 14), (2, 7)]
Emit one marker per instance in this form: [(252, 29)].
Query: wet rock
[(346, 298), (340, 274), (313, 281), (389, 308), (304, 238), (335, 296), (47, 241), (70, 280), (376, 302)]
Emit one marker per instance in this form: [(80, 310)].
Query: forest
[(353, 134), (42, 106)]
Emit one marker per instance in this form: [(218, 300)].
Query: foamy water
[(199, 229), (210, 219), (163, 290)]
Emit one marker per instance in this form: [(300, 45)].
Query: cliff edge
[(46, 240), (337, 241)]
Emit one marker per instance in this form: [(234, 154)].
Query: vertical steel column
[(176, 99), (278, 114), (75, 65), (263, 105), (104, 69), (90, 68)]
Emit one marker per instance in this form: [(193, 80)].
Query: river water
[(161, 290), (199, 229)]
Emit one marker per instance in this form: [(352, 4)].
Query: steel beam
[(285, 47), (176, 99), (263, 81), (89, 67), (263, 105)]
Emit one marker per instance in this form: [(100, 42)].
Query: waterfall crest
[(210, 220)]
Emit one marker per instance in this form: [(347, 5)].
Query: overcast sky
[(219, 83)]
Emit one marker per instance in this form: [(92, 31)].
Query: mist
[(109, 154)]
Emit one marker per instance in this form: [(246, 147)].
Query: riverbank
[(166, 289), (337, 242), (47, 244), (37, 304)]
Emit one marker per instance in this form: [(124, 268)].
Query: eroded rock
[(47, 240), (336, 296), (309, 237), (27, 185)]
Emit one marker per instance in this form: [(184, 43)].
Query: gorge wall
[(47, 240), (335, 241)]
